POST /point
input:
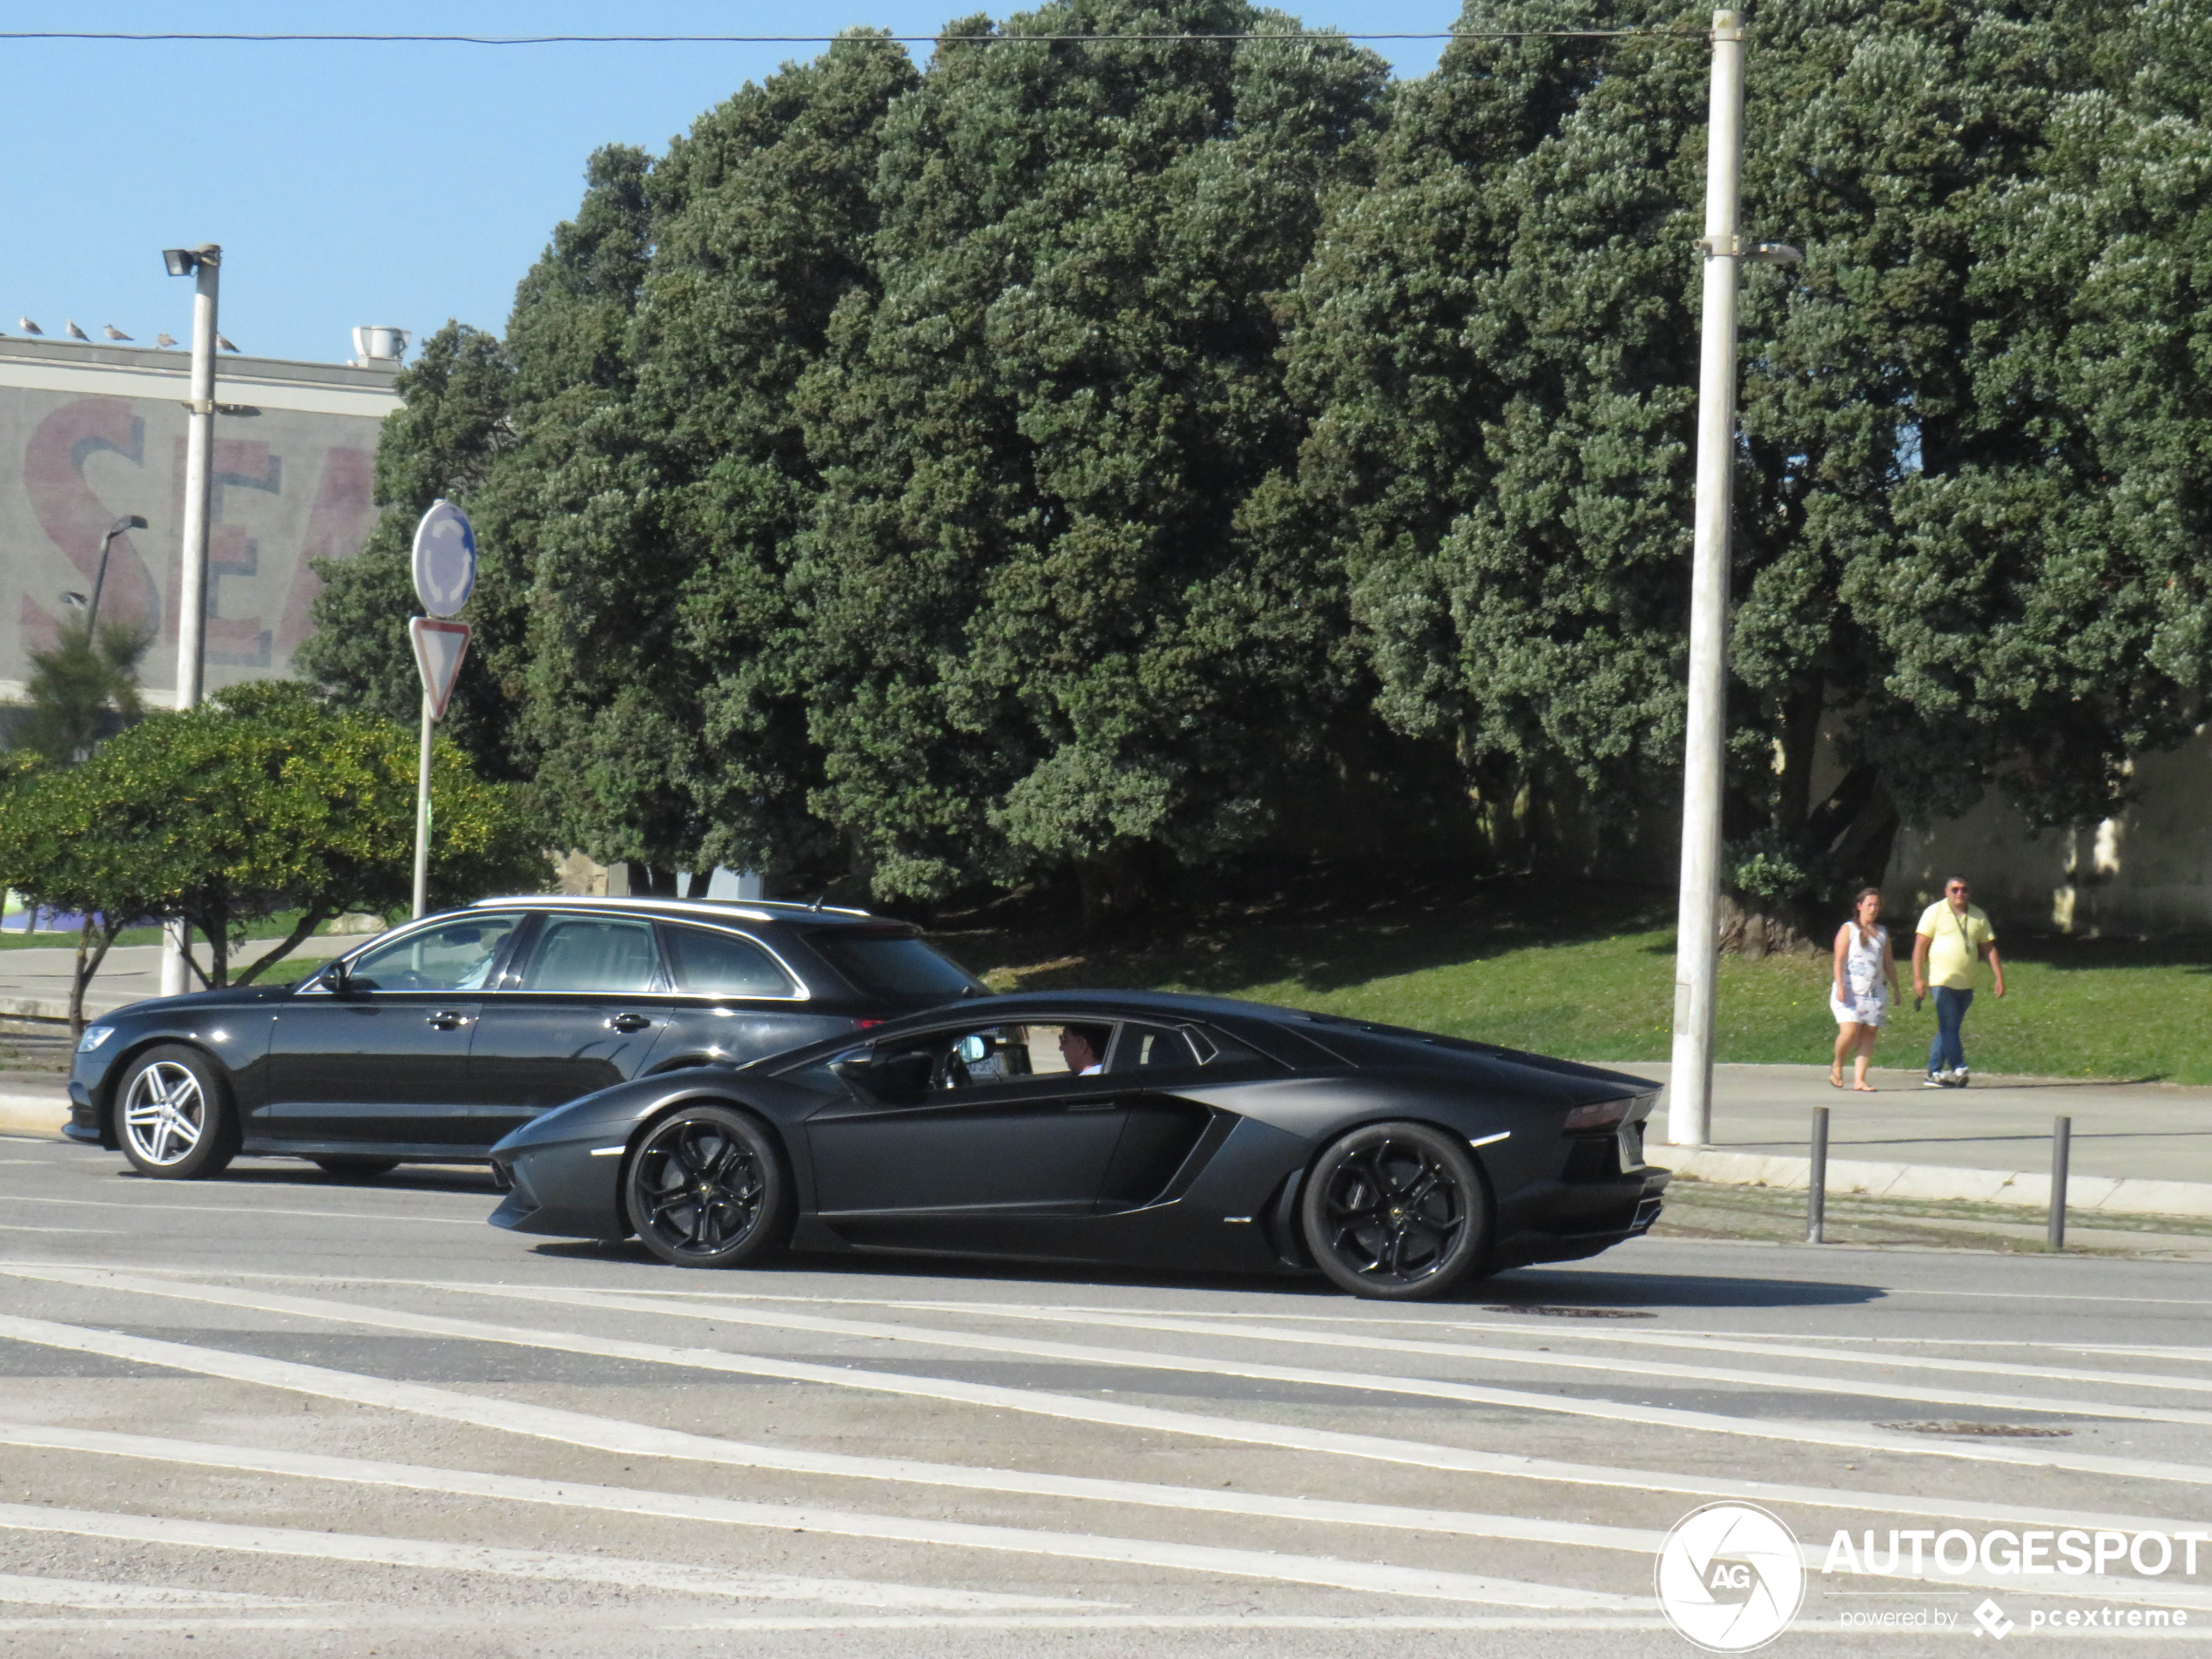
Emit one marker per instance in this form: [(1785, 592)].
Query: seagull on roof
[(75, 333), (113, 332), (164, 340), (29, 326)]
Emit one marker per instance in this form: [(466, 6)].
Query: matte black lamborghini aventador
[(1135, 1128)]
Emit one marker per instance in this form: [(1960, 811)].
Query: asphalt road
[(280, 1414)]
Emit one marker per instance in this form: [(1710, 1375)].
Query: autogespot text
[(2071, 1552)]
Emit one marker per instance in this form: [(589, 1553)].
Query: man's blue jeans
[(1946, 1053)]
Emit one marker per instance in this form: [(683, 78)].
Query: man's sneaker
[(1934, 1080), (1958, 1078)]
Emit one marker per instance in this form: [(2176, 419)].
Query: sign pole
[(445, 575), (422, 817)]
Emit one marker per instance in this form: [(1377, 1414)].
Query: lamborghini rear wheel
[(1396, 1211)]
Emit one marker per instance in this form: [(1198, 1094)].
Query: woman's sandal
[(1835, 1076), (1864, 1089)]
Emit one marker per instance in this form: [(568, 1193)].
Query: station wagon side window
[(455, 955), (610, 954), (708, 962)]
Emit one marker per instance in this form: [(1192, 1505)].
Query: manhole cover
[(2005, 1431), (1575, 1313)]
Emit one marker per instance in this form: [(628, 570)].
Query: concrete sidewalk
[(34, 982), (2137, 1147)]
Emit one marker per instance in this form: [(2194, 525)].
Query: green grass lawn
[(1586, 972)]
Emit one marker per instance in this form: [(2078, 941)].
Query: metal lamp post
[(1690, 1087), (131, 522), (205, 265)]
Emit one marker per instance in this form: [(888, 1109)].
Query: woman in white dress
[(1863, 968)]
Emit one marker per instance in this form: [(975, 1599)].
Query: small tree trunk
[(219, 949), (81, 978), (82, 981)]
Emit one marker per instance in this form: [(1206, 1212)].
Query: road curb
[(41, 1114), (2086, 1194), (33, 1007)]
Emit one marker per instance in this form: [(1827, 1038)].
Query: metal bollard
[(1816, 1180), (2061, 1141)]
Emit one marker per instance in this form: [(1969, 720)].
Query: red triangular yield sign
[(439, 647)]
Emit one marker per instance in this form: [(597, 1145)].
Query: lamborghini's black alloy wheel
[(1396, 1210), (706, 1188)]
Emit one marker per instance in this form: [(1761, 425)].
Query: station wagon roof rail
[(744, 909)]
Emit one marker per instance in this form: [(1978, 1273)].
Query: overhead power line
[(827, 40)]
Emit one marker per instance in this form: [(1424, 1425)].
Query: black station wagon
[(434, 1041)]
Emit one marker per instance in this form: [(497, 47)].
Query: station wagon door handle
[(1095, 1106), (629, 1022), (447, 1020)]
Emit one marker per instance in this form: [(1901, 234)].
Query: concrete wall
[(2148, 871), (89, 433)]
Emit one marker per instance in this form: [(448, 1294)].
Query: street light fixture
[(128, 521)]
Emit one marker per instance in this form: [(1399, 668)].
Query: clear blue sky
[(371, 183)]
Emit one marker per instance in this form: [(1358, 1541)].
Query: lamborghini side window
[(979, 1056), (1151, 1047)]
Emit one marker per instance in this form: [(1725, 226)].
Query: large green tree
[(2047, 614), (1037, 629), (662, 668), (1395, 357), (1894, 633), (1050, 459)]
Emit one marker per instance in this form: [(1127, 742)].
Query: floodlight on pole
[(204, 263)]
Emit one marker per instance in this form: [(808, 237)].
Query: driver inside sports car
[(1084, 1047)]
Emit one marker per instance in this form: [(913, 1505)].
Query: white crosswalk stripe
[(558, 1566)]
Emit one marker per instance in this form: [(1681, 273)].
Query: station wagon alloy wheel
[(164, 1114), (707, 1188), (174, 1116), (1395, 1210)]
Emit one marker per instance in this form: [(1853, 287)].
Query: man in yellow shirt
[(1951, 936)]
